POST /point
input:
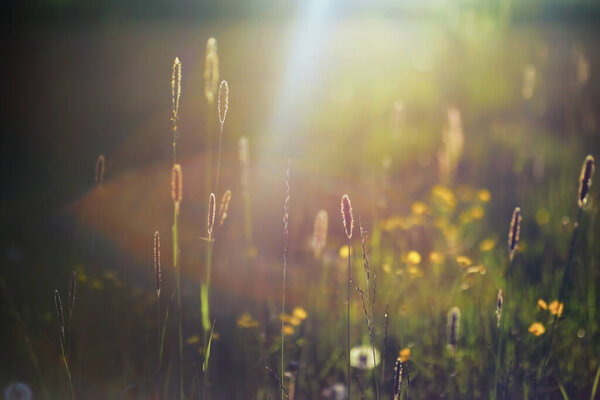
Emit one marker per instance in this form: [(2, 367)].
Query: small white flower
[(361, 357)]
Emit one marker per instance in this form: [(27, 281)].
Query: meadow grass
[(444, 327)]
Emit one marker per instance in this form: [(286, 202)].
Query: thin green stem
[(66, 362), (159, 329), (282, 325), (561, 295), (497, 367), (348, 318), (595, 386), (219, 159), (178, 274)]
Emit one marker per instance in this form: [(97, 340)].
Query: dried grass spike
[(224, 207), (99, 171), (176, 186), (398, 378), (223, 103), (176, 86), (210, 224), (514, 232), (157, 270), (347, 219), (585, 180), (320, 232), (211, 70), (499, 304), (453, 327)]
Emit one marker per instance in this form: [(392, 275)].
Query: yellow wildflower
[(556, 308), (445, 194), (419, 208), (436, 257), (404, 354), (295, 321), (285, 317), (487, 245), (192, 339), (300, 313), (464, 261), (246, 321), (477, 212), (484, 195), (414, 271), (413, 257), (542, 304), (288, 330), (537, 329), (344, 252)]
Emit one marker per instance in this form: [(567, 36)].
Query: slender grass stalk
[(177, 194), (398, 379), (499, 304), (61, 338), (205, 287), (595, 386), (157, 275), (386, 318), (370, 318), (453, 331), (585, 183), (348, 221), (211, 86), (286, 217)]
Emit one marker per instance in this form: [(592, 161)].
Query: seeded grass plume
[(348, 221), (286, 217), (224, 207), (514, 232)]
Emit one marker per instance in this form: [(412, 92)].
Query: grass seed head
[(223, 103), (347, 219), (210, 224), (224, 207), (397, 378), (175, 87), (514, 232), (211, 71), (157, 271), (453, 327), (585, 181), (499, 304), (176, 186)]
